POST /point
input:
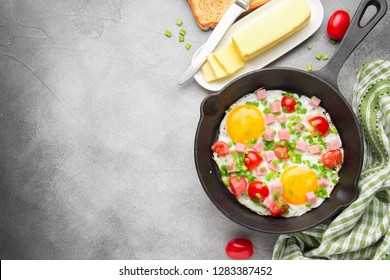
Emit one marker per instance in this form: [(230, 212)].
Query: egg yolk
[(297, 181), (244, 122)]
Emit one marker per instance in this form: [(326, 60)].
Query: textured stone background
[(96, 137)]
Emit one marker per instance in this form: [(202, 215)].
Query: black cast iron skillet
[(323, 84)]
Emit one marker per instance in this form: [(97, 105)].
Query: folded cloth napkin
[(361, 231)]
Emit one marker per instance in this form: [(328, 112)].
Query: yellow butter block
[(208, 72), (272, 29), (216, 66), (229, 59)]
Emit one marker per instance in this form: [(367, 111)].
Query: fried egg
[(294, 146)]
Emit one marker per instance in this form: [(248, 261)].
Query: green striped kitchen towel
[(361, 231)]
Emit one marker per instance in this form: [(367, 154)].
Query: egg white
[(272, 95)]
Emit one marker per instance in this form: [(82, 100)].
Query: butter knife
[(236, 9)]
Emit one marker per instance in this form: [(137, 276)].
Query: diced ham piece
[(301, 145), (261, 94), (311, 198), (269, 155), (268, 201), (269, 135), (314, 149), (259, 146), (299, 127), (314, 101), (261, 170), (276, 186), (231, 167), (323, 182), (275, 107), (334, 144), (284, 134), (269, 119), (281, 118), (273, 167), (240, 147)]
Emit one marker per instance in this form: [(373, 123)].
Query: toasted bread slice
[(208, 13)]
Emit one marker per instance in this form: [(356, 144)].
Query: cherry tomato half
[(237, 184), (252, 160), (258, 190), (320, 124), (288, 104), (281, 152), (332, 158), (221, 148), (239, 248), (278, 207), (338, 24)]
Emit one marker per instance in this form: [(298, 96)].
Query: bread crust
[(208, 13)]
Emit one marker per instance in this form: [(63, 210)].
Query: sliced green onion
[(325, 57), (332, 41), (168, 33), (179, 22), (319, 56), (309, 47), (310, 67), (188, 46), (181, 39), (182, 32)]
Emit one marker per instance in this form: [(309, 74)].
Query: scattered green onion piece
[(332, 41), (267, 111), (310, 47), (310, 67), (168, 33), (181, 39), (179, 22), (319, 56), (183, 32), (325, 57), (188, 46)]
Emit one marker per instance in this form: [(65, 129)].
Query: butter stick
[(272, 29)]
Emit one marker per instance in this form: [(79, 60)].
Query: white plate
[(317, 15)]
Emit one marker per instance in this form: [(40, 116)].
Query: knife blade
[(236, 9)]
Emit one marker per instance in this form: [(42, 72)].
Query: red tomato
[(338, 24), (281, 152), (288, 103), (221, 148), (278, 207), (239, 248), (332, 158), (320, 124), (258, 190), (252, 160), (237, 184)]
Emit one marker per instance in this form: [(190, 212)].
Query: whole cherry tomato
[(252, 160), (237, 184), (221, 148), (288, 104), (338, 24), (332, 158), (278, 207), (320, 124), (258, 190), (239, 248)]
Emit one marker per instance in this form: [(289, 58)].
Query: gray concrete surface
[(96, 137)]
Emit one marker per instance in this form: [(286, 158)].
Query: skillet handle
[(355, 34)]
